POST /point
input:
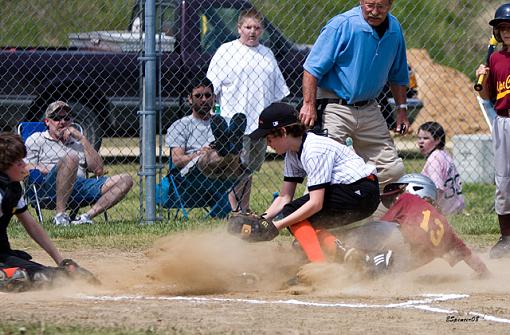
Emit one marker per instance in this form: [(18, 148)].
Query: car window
[(165, 19), (168, 24), (217, 26)]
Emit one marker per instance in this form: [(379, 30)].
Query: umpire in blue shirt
[(356, 53)]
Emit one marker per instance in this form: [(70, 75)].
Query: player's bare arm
[(311, 207), (39, 235), (285, 196), (478, 266)]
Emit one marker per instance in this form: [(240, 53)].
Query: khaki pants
[(371, 137)]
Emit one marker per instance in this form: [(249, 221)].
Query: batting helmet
[(414, 183), (502, 14)]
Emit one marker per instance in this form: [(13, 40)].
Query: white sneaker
[(61, 219), (83, 219)]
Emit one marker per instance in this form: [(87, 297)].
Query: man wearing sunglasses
[(63, 155), (204, 148)]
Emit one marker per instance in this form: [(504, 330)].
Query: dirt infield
[(191, 283)]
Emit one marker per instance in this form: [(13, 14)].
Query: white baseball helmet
[(414, 183)]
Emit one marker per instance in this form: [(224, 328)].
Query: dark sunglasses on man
[(200, 95)]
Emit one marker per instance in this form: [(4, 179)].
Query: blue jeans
[(86, 191)]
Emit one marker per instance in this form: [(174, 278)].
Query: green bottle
[(217, 109)]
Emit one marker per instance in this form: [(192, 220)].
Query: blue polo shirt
[(351, 60)]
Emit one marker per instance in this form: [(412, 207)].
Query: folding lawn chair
[(185, 193), (35, 178)]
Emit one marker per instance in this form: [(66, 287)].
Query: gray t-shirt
[(189, 133), (43, 149)]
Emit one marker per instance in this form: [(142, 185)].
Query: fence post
[(149, 114)]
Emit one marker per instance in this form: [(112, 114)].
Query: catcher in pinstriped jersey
[(342, 188)]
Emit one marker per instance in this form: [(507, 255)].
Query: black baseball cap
[(274, 116)]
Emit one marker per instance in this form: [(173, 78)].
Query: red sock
[(307, 238), (327, 241)]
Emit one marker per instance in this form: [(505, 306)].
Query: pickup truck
[(102, 80)]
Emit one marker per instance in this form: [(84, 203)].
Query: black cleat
[(236, 130), (379, 263), (220, 131)]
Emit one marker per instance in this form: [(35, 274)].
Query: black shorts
[(343, 203), (21, 259)]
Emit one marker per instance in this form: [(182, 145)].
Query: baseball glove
[(73, 270), (251, 227)]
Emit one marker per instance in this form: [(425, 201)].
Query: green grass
[(37, 23), (21, 328), (479, 217), (124, 231)]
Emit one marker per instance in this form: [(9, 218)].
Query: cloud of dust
[(214, 262), (435, 277)]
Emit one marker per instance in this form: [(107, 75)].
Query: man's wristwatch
[(402, 106)]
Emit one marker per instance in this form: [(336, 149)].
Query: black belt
[(343, 102), (503, 113), (372, 178)]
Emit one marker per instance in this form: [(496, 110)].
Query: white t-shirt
[(325, 161), (189, 133), (43, 149), (246, 80), (440, 168)]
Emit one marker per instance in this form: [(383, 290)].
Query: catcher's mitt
[(251, 227), (73, 270)]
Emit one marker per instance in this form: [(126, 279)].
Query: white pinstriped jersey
[(325, 161)]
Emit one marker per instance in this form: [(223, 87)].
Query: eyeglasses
[(378, 6), (200, 95), (58, 118)]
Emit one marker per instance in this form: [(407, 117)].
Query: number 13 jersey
[(426, 230)]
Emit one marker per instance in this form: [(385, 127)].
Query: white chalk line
[(419, 304)]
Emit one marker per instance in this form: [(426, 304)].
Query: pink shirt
[(441, 169)]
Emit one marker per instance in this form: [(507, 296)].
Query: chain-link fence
[(87, 53)]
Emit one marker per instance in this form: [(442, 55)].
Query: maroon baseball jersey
[(426, 229), (499, 79)]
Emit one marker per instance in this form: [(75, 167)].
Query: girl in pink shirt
[(440, 168)]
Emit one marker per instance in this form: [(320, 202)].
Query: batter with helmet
[(414, 228), (494, 87)]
